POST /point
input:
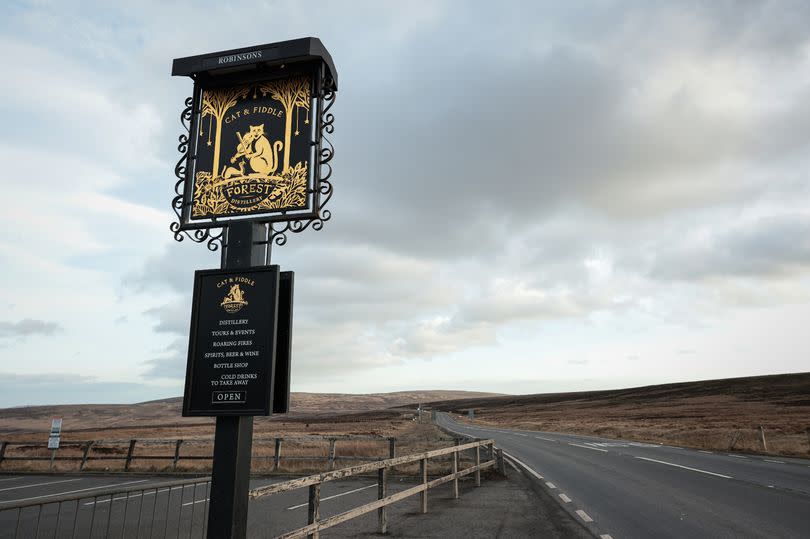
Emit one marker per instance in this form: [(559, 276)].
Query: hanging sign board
[(253, 148), (232, 344)]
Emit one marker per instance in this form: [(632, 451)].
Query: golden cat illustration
[(261, 155)]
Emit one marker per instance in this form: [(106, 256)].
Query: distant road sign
[(56, 432)]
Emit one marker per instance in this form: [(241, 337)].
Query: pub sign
[(256, 132), (232, 343)]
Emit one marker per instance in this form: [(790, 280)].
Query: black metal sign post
[(256, 165), (233, 439)]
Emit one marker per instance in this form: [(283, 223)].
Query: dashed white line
[(589, 447), (605, 536), (774, 461), (196, 501), (10, 479), (564, 498), (584, 516), (736, 456), (704, 451), (524, 435), (550, 485), (546, 439), (686, 467), (137, 495), (38, 484), (335, 496), (73, 491)]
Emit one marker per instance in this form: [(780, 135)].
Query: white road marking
[(774, 461), (550, 485), (197, 501), (704, 451), (38, 484), (546, 439), (525, 466), (605, 536), (589, 447), (584, 516), (564, 498), (135, 495), (524, 435), (335, 496), (10, 479), (73, 491), (686, 467), (737, 456)]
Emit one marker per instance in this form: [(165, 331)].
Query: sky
[(541, 197)]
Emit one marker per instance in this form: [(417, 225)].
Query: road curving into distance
[(623, 489)]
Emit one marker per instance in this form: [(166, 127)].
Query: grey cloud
[(29, 327), (515, 156), (171, 364), (768, 247)]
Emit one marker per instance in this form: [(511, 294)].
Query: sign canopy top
[(272, 54)]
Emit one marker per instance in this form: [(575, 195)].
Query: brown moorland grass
[(709, 414), (156, 425)]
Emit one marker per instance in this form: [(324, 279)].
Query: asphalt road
[(500, 508), (625, 489)]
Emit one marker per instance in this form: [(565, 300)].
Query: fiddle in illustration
[(261, 154)]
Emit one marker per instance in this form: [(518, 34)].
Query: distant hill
[(782, 389), (159, 412), (721, 414)]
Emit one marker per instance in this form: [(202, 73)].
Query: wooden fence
[(125, 451), (315, 524)]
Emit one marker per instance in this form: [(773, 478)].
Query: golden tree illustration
[(216, 103), (292, 93)]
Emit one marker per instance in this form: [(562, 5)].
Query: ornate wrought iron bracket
[(200, 235)]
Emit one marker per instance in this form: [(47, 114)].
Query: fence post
[(382, 492), (129, 454), (277, 456), (85, 453), (314, 511), (3, 447), (177, 445), (331, 454), (423, 472), (392, 446), (53, 457), (762, 437), (455, 473), (734, 438), (478, 465), (501, 462)]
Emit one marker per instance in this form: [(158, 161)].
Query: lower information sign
[(232, 344)]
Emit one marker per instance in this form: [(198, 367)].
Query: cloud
[(770, 247), (29, 327), (607, 169)]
